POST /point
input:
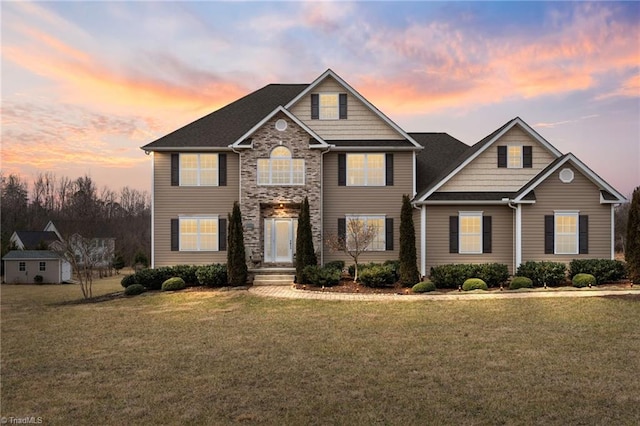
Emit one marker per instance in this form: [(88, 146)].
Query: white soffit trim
[(320, 144), (490, 142), (590, 174), (330, 73)]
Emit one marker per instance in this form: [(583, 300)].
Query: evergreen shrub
[(134, 289), (424, 287), (604, 270), (541, 273), (520, 282), (583, 280), (173, 283), (474, 284)]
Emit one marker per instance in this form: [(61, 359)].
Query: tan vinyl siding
[(339, 201), (361, 122), (483, 174), (581, 195), (502, 237), (172, 201)]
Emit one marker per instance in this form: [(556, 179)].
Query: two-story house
[(509, 198)]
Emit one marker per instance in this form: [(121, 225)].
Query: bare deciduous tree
[(82, 254), (357, 239)]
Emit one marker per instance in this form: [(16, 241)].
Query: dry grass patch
[(227, 357)]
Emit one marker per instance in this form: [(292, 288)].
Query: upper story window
[(280, 168), (328, 106), (515, 156), (198, 169), (365, 169)]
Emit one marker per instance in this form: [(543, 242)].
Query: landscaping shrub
[(394, 265), (322, 276), (377, 276), (424, 287), (541, 273), (38, 279), (361, 267), (128, 280), (187, 273), (583, 280), (474, 284), (174, 283), (336, 264), (134, 289), (212, 275), (452, 275), (520, 282), (604, 270)]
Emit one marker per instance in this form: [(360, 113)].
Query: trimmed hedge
[(424, 287), (583, 280), (452, 275), (335, 264), (322, 276), (128, 280), (377, 276), (134, 289), (172, 284), (520, 282), (541, 273), (604, 270), (474, 284), (187, 273), (212, 275)]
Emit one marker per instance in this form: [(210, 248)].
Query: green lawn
[(227, 357)]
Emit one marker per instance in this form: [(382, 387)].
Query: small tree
[(236, 263), (305, 253), (81, 253), (356, 239), (632, 252), (408, 259)]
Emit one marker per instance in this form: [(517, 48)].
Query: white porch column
[(423, 240), (518, 236)]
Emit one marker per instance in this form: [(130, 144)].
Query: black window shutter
[(502, 156), (222, 234), (453, 234), (527, 157), (549, 234), (486, 234), (222, 169), (583, 237), (343, 106), (342, 169), (175, 169), (315, 106), (342, 229), (389, 169), (175, 235), (388, 233)]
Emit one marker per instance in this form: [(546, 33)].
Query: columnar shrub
[(452, 275), (134, 289), (474, 284), (322, 276), (583, 280), (212, 275), (408, 259), (236, 262), (424, 287), (541, 273), (305, 253), (172, 284), (377, 276), (520, 282)]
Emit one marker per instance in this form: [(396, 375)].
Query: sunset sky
[(85, 84)]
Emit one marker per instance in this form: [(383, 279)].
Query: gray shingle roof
[(224, 126), (440, 150), (470, 196), (31, 239), (30, 255), (384, 143)]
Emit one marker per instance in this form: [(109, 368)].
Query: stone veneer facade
[(258, 202)]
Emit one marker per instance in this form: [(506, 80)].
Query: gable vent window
[(328, 106)]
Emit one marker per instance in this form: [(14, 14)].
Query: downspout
[(517, 235), (322, 153), (423, 239)]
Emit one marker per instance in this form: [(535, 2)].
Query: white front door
[(279, 240)]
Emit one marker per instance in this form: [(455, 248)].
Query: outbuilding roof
[(31, 255)]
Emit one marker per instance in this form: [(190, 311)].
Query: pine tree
[(305, 253), (408, 264), (236, 264), (632, 251)]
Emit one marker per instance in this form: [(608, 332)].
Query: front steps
[(273, 276)]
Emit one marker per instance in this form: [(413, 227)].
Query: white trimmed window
[(280, 168), (514, 157), (329, 106), (470, 234), (198, 169), (43, 266), (364, 222), (22, 266), (365, 170), (566, 232), (198, 233)]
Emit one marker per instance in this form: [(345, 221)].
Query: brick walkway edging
[(288, 292)]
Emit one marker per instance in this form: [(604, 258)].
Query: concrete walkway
[(288, 292)]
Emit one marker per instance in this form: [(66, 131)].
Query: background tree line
[(124, 215)]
